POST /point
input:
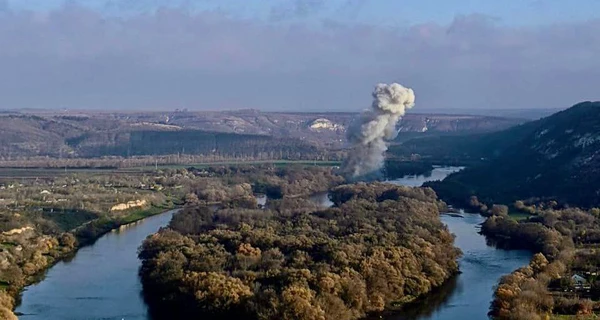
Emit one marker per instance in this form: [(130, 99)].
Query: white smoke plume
[(376, 127)]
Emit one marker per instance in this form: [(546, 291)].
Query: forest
[(378, 248), (566, 241), (554, 158)]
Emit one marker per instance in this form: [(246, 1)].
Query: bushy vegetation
[(566, 241), (275, 182), (46, 219), (380, 247)]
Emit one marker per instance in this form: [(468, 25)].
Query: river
[(438, 173), (468, 295), (101, 281)]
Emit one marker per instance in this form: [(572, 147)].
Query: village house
[(580, 283)]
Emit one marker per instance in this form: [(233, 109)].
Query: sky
[(297, 55)]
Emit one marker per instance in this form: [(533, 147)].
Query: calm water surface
[(438, 173), (469, 294), (101, 281)]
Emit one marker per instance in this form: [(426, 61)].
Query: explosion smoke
[(369, 136)]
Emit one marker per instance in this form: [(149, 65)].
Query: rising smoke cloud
[(376, 126)]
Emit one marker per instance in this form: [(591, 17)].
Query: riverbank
[(83, 236), (100, 282), (468, 294), (299, 262), (563, 272), (90, 232)]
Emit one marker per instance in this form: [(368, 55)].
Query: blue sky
[(378, 12), (297, 54)]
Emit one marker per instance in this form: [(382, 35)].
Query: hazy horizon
[(307, 55), (528, 114)]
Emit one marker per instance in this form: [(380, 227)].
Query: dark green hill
[(557, 157)]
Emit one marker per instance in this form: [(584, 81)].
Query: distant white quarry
[(322, 123)]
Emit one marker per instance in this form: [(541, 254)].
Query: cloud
[(76, 57), (296, 9), (352, 8), (4, 6)]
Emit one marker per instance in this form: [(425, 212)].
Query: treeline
[(563, 240), (273, 181), (128, 144), (380, 247), (117, 162), (194, 142)]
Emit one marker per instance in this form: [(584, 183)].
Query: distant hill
[(93, 134), (529, 114), (557, 157)]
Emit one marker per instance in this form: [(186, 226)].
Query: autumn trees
[(375, 249), (565, 241)]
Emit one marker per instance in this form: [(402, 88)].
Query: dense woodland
[(567, 244), (555, 158), (379, 247)]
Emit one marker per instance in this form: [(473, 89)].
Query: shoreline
[(106, 225)]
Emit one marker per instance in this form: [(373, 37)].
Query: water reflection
[(100, 282), (437, 174), (468, 295), (425, 306)]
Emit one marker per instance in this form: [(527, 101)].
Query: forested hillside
[(554, 158)]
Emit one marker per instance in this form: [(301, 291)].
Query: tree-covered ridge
[(380, 247), (556, 158)]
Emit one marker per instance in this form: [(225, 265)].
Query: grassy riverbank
[(91, 231), (86, 235)]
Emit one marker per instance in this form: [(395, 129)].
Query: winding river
[(468, 295), (101, 281)]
